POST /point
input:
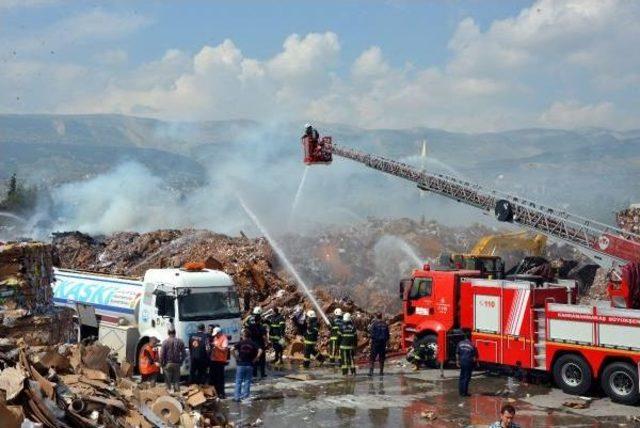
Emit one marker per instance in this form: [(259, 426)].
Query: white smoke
[(264, 162)]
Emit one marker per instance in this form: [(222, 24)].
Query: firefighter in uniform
[(466, 358), (149, 361), (258, 333), (379, 333), (334, 339), (418, 355), (348, 343), (310, 339), (276, 334)]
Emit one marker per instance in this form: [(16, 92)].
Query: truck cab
[(431, 310), (185, 298)]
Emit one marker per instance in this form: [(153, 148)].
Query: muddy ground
[(404, 398)]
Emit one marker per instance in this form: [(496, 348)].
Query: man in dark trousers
[(258, 333), (466, 358), (276, 334), (247, 354), (379, 334), (198, 356), (172, 354), (334, 339), (348, 343), (310, 340)]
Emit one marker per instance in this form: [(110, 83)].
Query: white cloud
[(496, 78), (79, 29), (370, 64), (572, 114)]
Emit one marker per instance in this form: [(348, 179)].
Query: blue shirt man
[(466, 357)]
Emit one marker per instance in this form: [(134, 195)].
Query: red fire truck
[(524, 322)]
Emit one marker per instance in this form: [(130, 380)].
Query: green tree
[(19, 199)]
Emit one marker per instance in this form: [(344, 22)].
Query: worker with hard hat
[(334, 339), (276, 335), (310, 340), (379, 335), (258, 332), (219, 359), (348, 343), (149, 361), (311, 132)]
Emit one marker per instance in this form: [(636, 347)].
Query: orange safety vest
[(147, 365), (220, 355)]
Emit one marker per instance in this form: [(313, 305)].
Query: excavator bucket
[(317, 151)]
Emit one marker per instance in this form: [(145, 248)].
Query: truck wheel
[(431, 342), (572, 374), (620, 382)]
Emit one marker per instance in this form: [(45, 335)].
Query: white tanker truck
[(125, 312)]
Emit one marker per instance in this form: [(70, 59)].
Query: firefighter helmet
[(257, 310), (311, 314), (346, 317), (337, 312)]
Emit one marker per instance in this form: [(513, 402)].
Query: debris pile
[(629, 219), (352, 267), (251, 262), (80, 386), (26, 298)]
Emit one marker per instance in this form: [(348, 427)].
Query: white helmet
[(257, 310), (311, 314), (337, 312), (346, 317), (307, 125)]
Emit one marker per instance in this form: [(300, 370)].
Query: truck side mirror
[(404, 283)]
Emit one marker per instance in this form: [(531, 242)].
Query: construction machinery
[(526, 323), (483, 257), (522, 240)]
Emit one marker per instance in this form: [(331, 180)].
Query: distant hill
[(591, 171)]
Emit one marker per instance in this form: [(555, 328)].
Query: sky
[(471, 66)]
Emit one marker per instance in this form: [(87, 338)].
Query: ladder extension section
[(573, 229)]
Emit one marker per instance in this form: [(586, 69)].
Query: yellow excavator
[(483, 257), (512, 241), (483, 254)]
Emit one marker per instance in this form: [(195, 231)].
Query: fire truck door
[(487, 327)]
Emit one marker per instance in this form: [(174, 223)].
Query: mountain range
[(589, 171)]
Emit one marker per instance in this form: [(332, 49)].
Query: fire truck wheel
[(572, 374), (620, 382)]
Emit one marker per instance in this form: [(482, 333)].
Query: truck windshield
[(209, 305)]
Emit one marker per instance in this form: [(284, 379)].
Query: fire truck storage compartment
[(598, 326), (504, 318)]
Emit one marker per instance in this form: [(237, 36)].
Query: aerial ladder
[(608, 246)]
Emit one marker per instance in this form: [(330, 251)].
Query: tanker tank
[(113, 298)]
